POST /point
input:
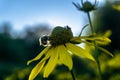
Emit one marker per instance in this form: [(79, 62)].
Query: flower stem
[(95, 45), (83, 29), (92, 29), (73, 76)]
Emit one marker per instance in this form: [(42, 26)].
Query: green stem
[(98, 64), (92, 29), (83, 29), (96, 49), (73, 76)]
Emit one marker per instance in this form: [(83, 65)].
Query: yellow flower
[(116, 7), (100, 39), (60, 51)]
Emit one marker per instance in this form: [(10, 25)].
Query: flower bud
[(86, 6)]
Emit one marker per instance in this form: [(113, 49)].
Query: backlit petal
[(40, 65), (39, 55), (79, 51), (51, 63), (76, 39), (48, 54), (65, 57), (36, 70), (105, 51)]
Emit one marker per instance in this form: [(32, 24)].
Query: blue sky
[(54, 12)]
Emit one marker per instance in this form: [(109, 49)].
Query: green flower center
[(87, 6), (60, 35)]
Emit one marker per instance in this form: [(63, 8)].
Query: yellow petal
[(48, 55), (40, 65), (101, 39), (104, 41), (116, 7), (39, 55), (65, 57), (106, 51), (108, 33), (36, 70), (51, 63), (76, 39), (79, 51), (98, 39)]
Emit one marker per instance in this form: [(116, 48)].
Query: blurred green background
[(17, 48)]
